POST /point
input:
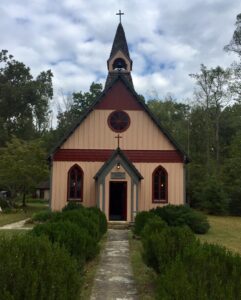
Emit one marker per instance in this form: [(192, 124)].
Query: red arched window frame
[(159, 185), (75, 184)]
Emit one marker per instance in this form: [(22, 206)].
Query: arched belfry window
[(75, 184), (160, 185), (119, 64)]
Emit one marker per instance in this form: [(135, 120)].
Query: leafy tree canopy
[(24, 101), (22, 166)]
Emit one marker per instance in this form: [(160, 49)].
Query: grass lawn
[(225, 231), (20, 214), (145, 277)]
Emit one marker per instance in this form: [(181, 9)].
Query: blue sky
[(167, 40)]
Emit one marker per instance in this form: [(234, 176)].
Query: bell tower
[(119, 62)]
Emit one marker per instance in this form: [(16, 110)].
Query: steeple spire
[(119, 62), (120, 42)]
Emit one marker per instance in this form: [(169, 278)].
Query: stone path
[(16, 225), (114, 279)]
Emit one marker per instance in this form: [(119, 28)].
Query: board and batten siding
[(94, 133), (59, 184)]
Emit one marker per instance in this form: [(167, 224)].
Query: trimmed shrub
[(33, 268), (197, 221), (43, 216), (161, 248), (180, 215), (209, 272), (81, 218), (187, 268), (152, 226), (141, 220), (102, 221), (72, 206), (76, 240)]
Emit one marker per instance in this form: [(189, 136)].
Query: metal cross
[(120, 14), (118, 137)]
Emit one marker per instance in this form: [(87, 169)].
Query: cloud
[(167, 39)]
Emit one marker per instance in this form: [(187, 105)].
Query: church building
[(118, 157)]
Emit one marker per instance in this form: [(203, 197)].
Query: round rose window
[(119, 121)]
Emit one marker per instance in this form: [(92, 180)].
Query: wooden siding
[(59, 185), (103, 155), (94, 133), (60, 178), (175, 184)]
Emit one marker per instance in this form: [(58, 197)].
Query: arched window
[(75, 184), (160, 185)]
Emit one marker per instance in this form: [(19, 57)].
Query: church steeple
[(119, 62)]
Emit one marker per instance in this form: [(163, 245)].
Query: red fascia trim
[(102, 155)]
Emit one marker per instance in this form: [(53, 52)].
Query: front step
[(119, 225)]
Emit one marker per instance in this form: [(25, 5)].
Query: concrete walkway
[(16, 225), (114, 279)]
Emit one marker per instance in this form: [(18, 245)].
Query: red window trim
[(81, 187), (112, 128), (153, 191)]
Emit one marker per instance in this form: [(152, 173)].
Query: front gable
[(144, 133)]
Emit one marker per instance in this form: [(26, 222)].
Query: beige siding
[(59, 185), (94, 133), (175, 184)]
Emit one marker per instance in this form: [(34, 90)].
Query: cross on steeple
[(120, 14), (118, 137)]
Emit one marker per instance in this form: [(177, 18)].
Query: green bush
[(180, 215), (72, 206), (102, 221), (197, 221), (43, 216), (161, 248), (209, 272), (82, 218), (140, 221), (188, 269), (33, 268), (153, 225), (79, 243)]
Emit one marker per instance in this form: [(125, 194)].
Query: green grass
[(145, 277), (21, 214), (225, 231)]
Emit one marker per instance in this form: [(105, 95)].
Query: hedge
[(180, 215), (188, 269), (34, 268)]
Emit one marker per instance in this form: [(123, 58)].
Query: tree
[(75, 106), (24, 101), (235, 43), (213, 94), (22, 166), (173, 116)]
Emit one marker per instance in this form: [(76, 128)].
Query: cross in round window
[(119, 121)]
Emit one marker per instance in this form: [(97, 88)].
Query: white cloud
[(167, 39)]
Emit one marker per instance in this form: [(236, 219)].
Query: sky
[(168, 40)]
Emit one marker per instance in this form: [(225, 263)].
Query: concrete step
[(119, 225)]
